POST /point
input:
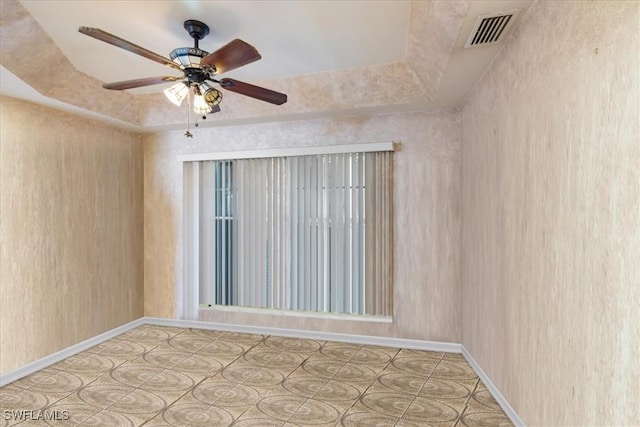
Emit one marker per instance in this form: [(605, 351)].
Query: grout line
[(300, 366), (376, 379), (421, 387), (466, 404), (262, 340)]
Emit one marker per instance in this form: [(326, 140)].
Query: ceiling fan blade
[(99, 34), (257, 92), (148, 81), (232, 55)]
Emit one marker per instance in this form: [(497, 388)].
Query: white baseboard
[(49, 360), (292, 333), (506, 407), (314, 335)]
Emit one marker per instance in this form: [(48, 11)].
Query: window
[(222, 242), (304, 232)]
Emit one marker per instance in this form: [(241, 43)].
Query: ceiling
[(330, 57)]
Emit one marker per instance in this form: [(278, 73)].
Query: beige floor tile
[(482, 400), (391, 351), (354, 373), (75, 408), (280, 406), (120, 348), (134, 374), (253, 376), (236, 337), (164, 357), (433, 355), (93, 363), (139, 402), (109, 418), (253, 416), (189, 411), (485, 419), (189, 343), (264, 356), (360, 415), (454, 370), (315, 412), (170, 384), (8, 392), (392, 404), (433, 411), (322, 367), (198, 366), (149, 335), (406, 423), (221, 392), (294, 345), (37, 419), (339, 350), (259, 422), (34, 379), (459, 357), (226, 349), (374, 357), (206, 333), (403, 382), (20, 399), (437, 388), (157, 421), (103, 392), (367, 419), (416, 365)]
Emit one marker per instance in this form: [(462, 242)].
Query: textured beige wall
[(551, 216), (427, 211), (70, 230)]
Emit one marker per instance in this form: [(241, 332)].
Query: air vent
[(491, 29)]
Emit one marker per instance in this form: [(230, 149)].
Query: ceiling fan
[(199, 69)]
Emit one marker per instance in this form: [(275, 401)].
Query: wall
[(71, 230), (551, 216), (427, 216)]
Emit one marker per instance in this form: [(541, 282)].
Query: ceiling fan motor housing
[(195, 75), (196, 29)]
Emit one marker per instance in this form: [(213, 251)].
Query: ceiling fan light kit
[(177, 93), (199, 70), (212, 95)]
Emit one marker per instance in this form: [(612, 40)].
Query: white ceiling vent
[(491, 28)]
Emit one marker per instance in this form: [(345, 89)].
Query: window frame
[(191, 306)]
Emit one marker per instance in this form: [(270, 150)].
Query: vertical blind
[(310, 232)]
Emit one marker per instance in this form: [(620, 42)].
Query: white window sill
[(299, 313)]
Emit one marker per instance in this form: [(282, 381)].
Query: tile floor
[(159, 376)]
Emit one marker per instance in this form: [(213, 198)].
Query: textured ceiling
[(330, 58), (294, 37)]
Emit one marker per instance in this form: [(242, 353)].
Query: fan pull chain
[(188, 134)]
